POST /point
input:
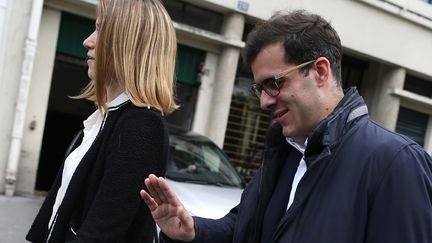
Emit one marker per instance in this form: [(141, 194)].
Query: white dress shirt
[(301, 170)]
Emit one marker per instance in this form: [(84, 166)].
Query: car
[(201, 175)]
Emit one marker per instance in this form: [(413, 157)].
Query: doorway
[(64, 116)]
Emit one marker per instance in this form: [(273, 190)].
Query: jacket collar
[(118, 102), (331, 129)]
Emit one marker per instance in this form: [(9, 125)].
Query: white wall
[(205, 94), (3, 9), (38, 99), (15, 28), (364, 29)]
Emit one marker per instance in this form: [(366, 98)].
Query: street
[(16, 215)]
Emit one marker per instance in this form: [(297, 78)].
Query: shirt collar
[(94, 118), (301, 148), (97, 117), (122, 98)]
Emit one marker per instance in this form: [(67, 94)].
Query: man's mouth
[(279, 114)]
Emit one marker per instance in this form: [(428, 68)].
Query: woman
[(131, 61)]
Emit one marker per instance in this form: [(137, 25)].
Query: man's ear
[(322, 71)]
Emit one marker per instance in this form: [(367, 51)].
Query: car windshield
[(199, 161)]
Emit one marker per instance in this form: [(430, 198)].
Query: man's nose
[(266, 101)]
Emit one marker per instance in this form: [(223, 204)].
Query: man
[(329, 174)]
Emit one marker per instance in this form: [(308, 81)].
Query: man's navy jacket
[(364, 184)]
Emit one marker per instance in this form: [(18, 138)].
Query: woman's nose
[(89, 42)]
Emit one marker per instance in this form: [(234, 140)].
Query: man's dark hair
[(305, 37)]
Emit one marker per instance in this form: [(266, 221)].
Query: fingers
[(161, 188), (160, 191), (165, 206), (152, 185), (167, 194), (151, 203)]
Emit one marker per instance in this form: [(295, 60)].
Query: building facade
[(387, 55)]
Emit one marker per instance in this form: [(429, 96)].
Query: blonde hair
[(136, 47)]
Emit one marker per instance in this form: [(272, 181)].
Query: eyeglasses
[(273, 84)]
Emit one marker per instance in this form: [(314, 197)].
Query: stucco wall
[(11, 57), (364, 29), (38, 100)]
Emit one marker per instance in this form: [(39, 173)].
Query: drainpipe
[(21, 103)]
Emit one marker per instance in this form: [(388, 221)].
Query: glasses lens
[(256, 89), (270, 87)]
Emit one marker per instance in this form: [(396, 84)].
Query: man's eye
[(278, 81), (268, 82)]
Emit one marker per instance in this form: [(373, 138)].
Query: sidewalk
[(16, 215)]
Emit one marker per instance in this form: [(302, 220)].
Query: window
[(188, 82), (418, 86), (412, 124), (427, 1), (247, 126), (413, 118), (192, 15), (73, 31), (352, 72)]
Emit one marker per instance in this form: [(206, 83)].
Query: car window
[(199, 161)]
